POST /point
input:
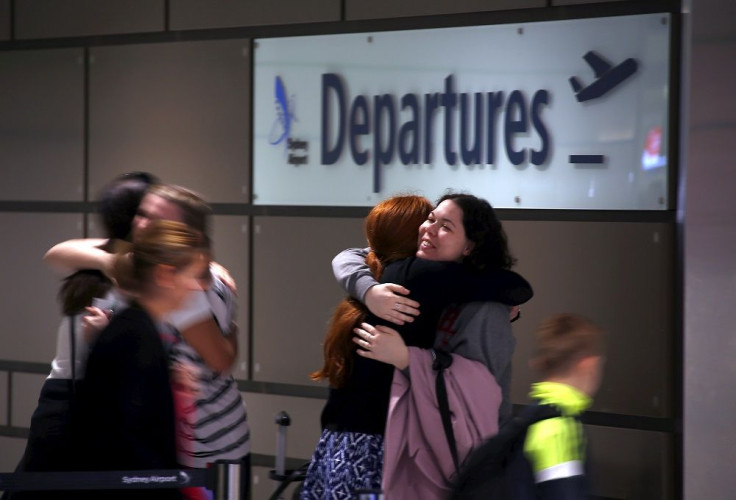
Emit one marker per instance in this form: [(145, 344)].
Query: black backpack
[(498, 463)]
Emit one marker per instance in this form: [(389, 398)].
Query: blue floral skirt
[(343, 463)]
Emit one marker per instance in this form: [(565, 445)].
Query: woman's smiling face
[(442, 235)]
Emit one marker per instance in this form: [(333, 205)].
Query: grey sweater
[(481, 331)]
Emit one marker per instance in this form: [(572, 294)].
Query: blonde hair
[(162, 242), (562, 340)]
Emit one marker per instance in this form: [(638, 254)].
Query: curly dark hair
[(482, 227)]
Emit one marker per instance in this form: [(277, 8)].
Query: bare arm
[(383, 344), (70, 256), (218, 351), (216, 341)]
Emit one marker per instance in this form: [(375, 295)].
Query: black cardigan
[(124, 410)]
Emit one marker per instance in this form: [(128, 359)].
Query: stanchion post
[(227, 480), (283, 421)]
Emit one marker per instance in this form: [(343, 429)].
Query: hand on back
[(389, 302)]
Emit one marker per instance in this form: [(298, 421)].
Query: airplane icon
[(607, 76)]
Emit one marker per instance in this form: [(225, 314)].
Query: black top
[(124, 408), (361, 405)]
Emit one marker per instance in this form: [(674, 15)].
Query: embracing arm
[(218, 351), (72, 255), (196, 323), (352, 273), (440, 283), (383, 300), (383, 344)]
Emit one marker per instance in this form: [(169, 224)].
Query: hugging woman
[(447, 267)]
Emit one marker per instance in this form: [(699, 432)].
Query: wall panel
[(707, 138), (359, 9), (621, 276), (629, 464), (30, 312), (712, 99), (711, 147), (12, 451), (179, 110), (712, 21), (41, 124), (576, 2), (295, 292), (26, 389), (5, 19), (710, 344), (194, 14), (50, 18), (231, 250), (4, 398)]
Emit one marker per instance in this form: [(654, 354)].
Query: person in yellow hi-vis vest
[(569, 358)]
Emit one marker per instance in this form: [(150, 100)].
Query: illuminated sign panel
[(560, 115)]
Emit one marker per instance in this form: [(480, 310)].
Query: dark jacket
[(124, 411)]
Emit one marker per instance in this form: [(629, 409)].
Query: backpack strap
[(441, 361)]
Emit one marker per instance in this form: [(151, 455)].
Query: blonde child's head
[(569, 349)]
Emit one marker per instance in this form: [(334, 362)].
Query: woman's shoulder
[(132, 319), (131, 332)]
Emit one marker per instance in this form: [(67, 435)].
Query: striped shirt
[(212, 419)]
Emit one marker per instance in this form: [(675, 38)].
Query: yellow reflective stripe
[(559, 471), (554, 441)]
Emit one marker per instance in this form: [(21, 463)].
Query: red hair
[(392, 231)]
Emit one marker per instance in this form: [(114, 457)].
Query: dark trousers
[(49, 439)]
